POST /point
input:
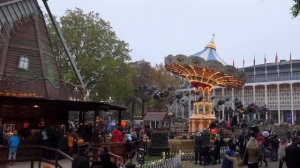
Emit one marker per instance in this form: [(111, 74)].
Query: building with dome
[(276, 85)]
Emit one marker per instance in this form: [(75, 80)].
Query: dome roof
[(210, 53)]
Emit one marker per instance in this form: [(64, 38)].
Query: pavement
[(190, 164), (64, 163), (185, 164)]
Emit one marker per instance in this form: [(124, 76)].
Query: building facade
[(276, 85)]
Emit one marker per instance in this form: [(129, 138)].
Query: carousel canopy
[(209, 53), (205, 69)]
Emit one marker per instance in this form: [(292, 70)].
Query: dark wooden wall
[(29, 37)]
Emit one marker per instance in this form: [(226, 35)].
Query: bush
[(159, 139), (297, 122)]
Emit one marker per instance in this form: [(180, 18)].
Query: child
[(13, 144), (235, 159)]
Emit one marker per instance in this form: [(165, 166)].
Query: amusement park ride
[(204, 70)]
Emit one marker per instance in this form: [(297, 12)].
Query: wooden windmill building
[(30, 83)]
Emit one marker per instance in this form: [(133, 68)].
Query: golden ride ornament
[(204, 70)]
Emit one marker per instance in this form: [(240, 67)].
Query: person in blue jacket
[(13, 143)]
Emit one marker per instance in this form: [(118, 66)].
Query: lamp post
[(170, 114)]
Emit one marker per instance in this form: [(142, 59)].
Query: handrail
[(129, 148), (116, 158), (39, 158)]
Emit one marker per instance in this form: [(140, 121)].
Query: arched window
[(23, 62)]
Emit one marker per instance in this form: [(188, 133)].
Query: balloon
[(213, 131), (265, 134), (123, 124)]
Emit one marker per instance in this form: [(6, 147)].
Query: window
[(24, 62)]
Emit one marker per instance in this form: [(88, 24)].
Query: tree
[(100, 55), (296, 8), (142, 83), (152, 86), (166, 83)]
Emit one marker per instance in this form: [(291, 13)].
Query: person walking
[(242, 142), (13, 143), (251, 157), (236, 159), (292, 154), (281, 151), (226, 163), (275, 144)]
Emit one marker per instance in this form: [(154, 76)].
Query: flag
[(243, 63), (266, 71), (276, 61), (291, 64), (254, 66)]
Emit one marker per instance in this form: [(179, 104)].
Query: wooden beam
[(42, 61), (10, 2), (4, 54)]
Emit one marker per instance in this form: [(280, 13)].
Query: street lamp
[(170, 114)]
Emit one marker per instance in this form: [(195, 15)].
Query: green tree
[(148, 77), (163, 80), (100, 55), (296, 8)]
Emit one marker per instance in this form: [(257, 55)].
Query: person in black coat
[(80, 160), (242, 142), (105, 161), (217, 148), (198, 148), (292, 154)]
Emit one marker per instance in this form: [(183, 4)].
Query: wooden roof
[(66, 104), (23, 33), (155, 116)]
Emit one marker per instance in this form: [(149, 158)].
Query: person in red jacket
[(117, 135)]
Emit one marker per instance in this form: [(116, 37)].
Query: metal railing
[(33, 153)]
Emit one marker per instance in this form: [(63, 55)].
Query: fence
[(172, 162), (189, 154)]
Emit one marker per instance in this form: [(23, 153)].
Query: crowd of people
[(69, 139), (251, 148)]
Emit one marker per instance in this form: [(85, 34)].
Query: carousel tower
[(204, 70)]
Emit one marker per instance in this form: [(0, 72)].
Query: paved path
[(190, 164), (185, 164), (65, 163)]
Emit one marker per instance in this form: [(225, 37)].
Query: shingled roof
[(25, 42), (155, 116)]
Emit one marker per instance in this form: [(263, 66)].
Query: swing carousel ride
[(204, 70)]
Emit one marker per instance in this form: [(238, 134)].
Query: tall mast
[(67, 49)]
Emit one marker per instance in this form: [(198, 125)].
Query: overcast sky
[(157, 28)]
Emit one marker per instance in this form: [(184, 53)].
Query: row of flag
[(265, 62)]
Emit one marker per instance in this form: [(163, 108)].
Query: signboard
[(289, 118)]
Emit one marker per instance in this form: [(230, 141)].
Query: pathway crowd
[(252, 148)]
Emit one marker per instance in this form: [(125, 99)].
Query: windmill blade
[(66, 48)]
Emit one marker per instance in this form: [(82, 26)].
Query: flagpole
[(243, 65), (277, 66), (291, 65), (266, 71), (254, 66)]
